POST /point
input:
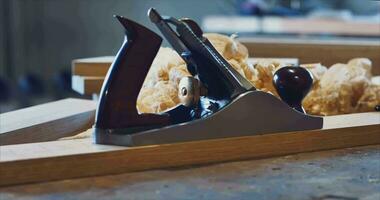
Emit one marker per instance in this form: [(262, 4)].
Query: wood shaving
[(340, 89), (160, 88)]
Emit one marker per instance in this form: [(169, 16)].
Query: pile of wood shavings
[(340, 89), (160, 89), (344, 88)]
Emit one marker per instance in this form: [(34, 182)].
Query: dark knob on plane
[(293, 84)]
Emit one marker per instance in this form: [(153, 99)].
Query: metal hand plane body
[(217, 102)]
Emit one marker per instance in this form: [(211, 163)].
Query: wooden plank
[(327, 172), (57, 160), (97, 66), (87, 85), (302, 25), (327, 52), (291, 25), (47, 122), (286, 61), (92, 85)]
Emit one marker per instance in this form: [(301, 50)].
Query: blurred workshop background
[(39, 38)]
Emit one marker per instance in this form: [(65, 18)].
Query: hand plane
[(216, 101)]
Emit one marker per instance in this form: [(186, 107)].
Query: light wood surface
[(88, 73), (292, 25), (344, 174), (97, 66), (57, 160), (87, 85), (285, 61), (46, 122), (304, 25), (327, 52), (324, 51)]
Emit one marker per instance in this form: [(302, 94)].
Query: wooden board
[(87, 85), (36, 162), (88, 73), (327, 52), (97, 66), (342, 174), (292, 25), (285, 61), (46, 122)]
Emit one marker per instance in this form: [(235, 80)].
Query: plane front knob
[(293, 84)]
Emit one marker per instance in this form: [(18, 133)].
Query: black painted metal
[(117, 103), (222, 81), (232, 107), (293, 84), (251, 113)]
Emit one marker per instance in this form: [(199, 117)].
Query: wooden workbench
[(340, 174), (337, 174)]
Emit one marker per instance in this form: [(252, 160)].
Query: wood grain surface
[(291, 25), (87, 85), (46, 122), (327, 52), (343, 174), (97, 66), (37, 162), (296, 51), (88, 73)]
